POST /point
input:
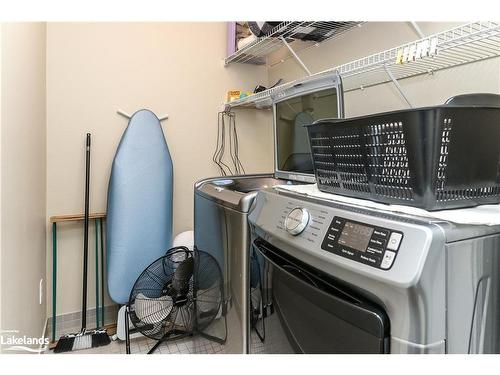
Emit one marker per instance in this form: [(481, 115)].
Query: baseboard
[(42, 347), (70, 322)]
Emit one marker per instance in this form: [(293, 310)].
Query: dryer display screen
[(355, 236), (375, 246)]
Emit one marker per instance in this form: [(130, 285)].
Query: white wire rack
[(256, 51), (461, 45)]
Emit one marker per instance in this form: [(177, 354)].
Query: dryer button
[(382, 233), (394, 241), (387, 259)]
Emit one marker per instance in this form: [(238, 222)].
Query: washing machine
[(332, 277), (221, 228), (221, 204)]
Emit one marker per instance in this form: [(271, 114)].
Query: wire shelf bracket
[(398, 86), (417, 29), (296, 57)]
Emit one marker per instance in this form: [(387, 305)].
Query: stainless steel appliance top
[(236, 192), (453, 231)]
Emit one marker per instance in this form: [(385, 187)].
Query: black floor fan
[(92, 338), (178, 295)]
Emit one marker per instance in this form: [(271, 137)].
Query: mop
[(92, 338)]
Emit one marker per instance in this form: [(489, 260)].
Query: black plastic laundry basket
[(433, 158)]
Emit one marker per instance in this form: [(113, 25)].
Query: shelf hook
[(128, 116)]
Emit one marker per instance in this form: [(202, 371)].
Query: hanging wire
[(216, 152), (232, 152), (230, 171), (239, 164), (219, 148), (233, 144), (227, 119)]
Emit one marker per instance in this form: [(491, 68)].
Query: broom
[(98, 337)]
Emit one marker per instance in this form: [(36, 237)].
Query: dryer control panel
[(375, 246)]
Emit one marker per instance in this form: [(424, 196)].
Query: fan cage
[(178, 294)]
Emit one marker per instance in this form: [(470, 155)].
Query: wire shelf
[(255, 52), (461, 45)]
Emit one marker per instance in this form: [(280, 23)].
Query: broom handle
[(86, 233)]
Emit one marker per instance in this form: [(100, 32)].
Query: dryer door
[(298, 309)]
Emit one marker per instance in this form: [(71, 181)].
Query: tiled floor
[(141, 345)]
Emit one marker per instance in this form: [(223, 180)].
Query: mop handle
[(86, 233)]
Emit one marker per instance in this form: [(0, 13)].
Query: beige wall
[(23, 171), (176, 68), (374, 37)]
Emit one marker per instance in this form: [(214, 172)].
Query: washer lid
[(236, 192)]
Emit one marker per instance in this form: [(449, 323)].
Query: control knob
[(296, 221)]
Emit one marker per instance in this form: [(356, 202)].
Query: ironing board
[(139, 213)]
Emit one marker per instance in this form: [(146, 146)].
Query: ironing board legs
[(54, 279)]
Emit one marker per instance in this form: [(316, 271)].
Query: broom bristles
[(82, 340)]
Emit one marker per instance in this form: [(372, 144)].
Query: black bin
[(433, 158)]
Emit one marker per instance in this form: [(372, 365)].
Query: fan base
[(170, 336)]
